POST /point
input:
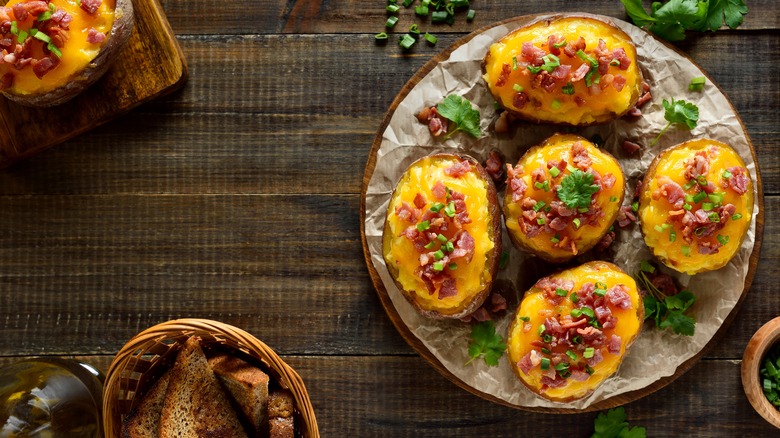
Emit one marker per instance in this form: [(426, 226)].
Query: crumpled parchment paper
[(655, 354)]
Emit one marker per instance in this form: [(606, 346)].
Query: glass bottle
[(51, 398)]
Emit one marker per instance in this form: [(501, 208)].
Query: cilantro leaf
[(667, 311), (486, 343), (679, 323), (577, 188), (681, 301), (459, 111), (731, 10), (613, 424), (680, 112), (637, 12)]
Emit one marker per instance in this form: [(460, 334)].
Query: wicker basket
[(150, 353)]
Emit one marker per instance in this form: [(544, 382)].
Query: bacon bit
[(464, 247), (738, 180), (606, 241), (698, 165), (44, 65), (437, 125), (630, 147), (620, 55), (439, 190), (552, 40), (458, 169), (532, 54), (580, 156), (506, 70), (664, 282), (579, 101), (618, 82), (95, 37), (618, 297), (90, 6), (494, 166), (580, 73), (556, 382), (571, 49), (498, 302), (561, 72), (419, 201), (447, 288), (502, 123), (596, 359), (525, 364), (608, 181), (545, 81), (516, 182), (519, 100), (614, 344), (671, 190), (405, 212)]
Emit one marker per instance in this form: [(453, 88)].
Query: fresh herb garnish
[(770, 372), (577, 188), (697, 83), (666, 311), (679, 112), (459, 111), (613, 424), (670, 20), (486, 343)]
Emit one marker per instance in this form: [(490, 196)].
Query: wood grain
[(150, 65)]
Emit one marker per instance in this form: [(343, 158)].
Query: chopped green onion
[(576, 339), (45, 16), (408, 3), (589, 370), (588, 353), (438, 255), (555, 239), (453, 266), (14, 28), (517, 87), (614, 63), (699, 197), (545, 351), (437, 207), (736, 216), (561, 44), (699, 231), (430, 38), (687, 206), (407, 41), (576, 223), (707, 206), (726, 174), (601, 285), (53, 49), (561, 292), (600, 292), (545, 363), (574, 297), (421, 10), (381, 36), (672, 236), (539, 205), (568, 89), (21, 37), (547, 338), (540, 330), (391, 21), (686, 250), (592, 61), (583, 209), (514, 63), (438, 266), (556, 104), (424, 225), (576, 313), (646, 266), (470, 15), (587, 311), (542, 186), (442, 238), (723, 239), (689, 198), (504, 260), (689, 184), (613, 199), (717, 198), (524, 318), (430, 245), (533, 69), (449, 210), (714, 217), (551, 62), (414, 30), (697, 84), (554, 171), (635, 206), (563, 366), (449, 247), (541, 220), (439, 16), (702, 180), (570, 168), (659, 228)]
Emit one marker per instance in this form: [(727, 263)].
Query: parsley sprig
[(613, 424), (577, 188), (666, 311), (679, 112), (670, 20), (458, 110), (486, 343)]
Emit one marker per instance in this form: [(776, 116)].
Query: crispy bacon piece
[(630, 147), (698, 165), (439, 190), (571, 49), (561, 72), (95, 37), (614, 344), (580, 156), (516, 182), (671, 190), (552, 40), (90, 6), (494, 166), (35, 8), (708, 248), (532, 54), (618, 297), (6, 81), (519, 100), (44, 65), (506, 70), (580, 73), (738, 181), (448, 288), (606, 241)]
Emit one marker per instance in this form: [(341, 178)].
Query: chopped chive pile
[(440, 11), (770, 374)]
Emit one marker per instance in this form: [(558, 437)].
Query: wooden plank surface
[(236, 198)]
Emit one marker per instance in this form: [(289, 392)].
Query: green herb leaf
[(577, 188), (637, 12), (670, 20), (667, 312), (459, 111), (613, 424), (730, 10), (680, 324), (679, 112), (486, 343)]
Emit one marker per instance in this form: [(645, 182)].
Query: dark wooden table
[(237, 199)]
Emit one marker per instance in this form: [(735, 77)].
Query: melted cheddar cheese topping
[(471, 278)]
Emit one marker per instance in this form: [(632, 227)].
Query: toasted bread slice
[(247, 384), (280, 414), (144, 420), (195, 404)]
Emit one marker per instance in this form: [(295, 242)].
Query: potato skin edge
[(491, 264)]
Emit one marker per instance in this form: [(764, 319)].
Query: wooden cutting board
[(151, 65)]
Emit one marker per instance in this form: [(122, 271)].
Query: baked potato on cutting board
[(442, 235), (573, 329), (54, 50), (696, 205), (573, 70)]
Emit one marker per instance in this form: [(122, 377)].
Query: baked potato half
[(571, 70), (562, 197), (573, 329), (54, 50), (442, 235), (696, 205)]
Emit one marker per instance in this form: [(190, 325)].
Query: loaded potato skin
[(696, 205), (573, 329), (442, 235), (562, 197), (574, 70), (56, 49)]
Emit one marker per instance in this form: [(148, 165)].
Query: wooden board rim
[(423, 351)]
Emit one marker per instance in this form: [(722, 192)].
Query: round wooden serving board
[(421, 348)]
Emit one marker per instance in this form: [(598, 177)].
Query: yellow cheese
[(76, 54), (470, 278)]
